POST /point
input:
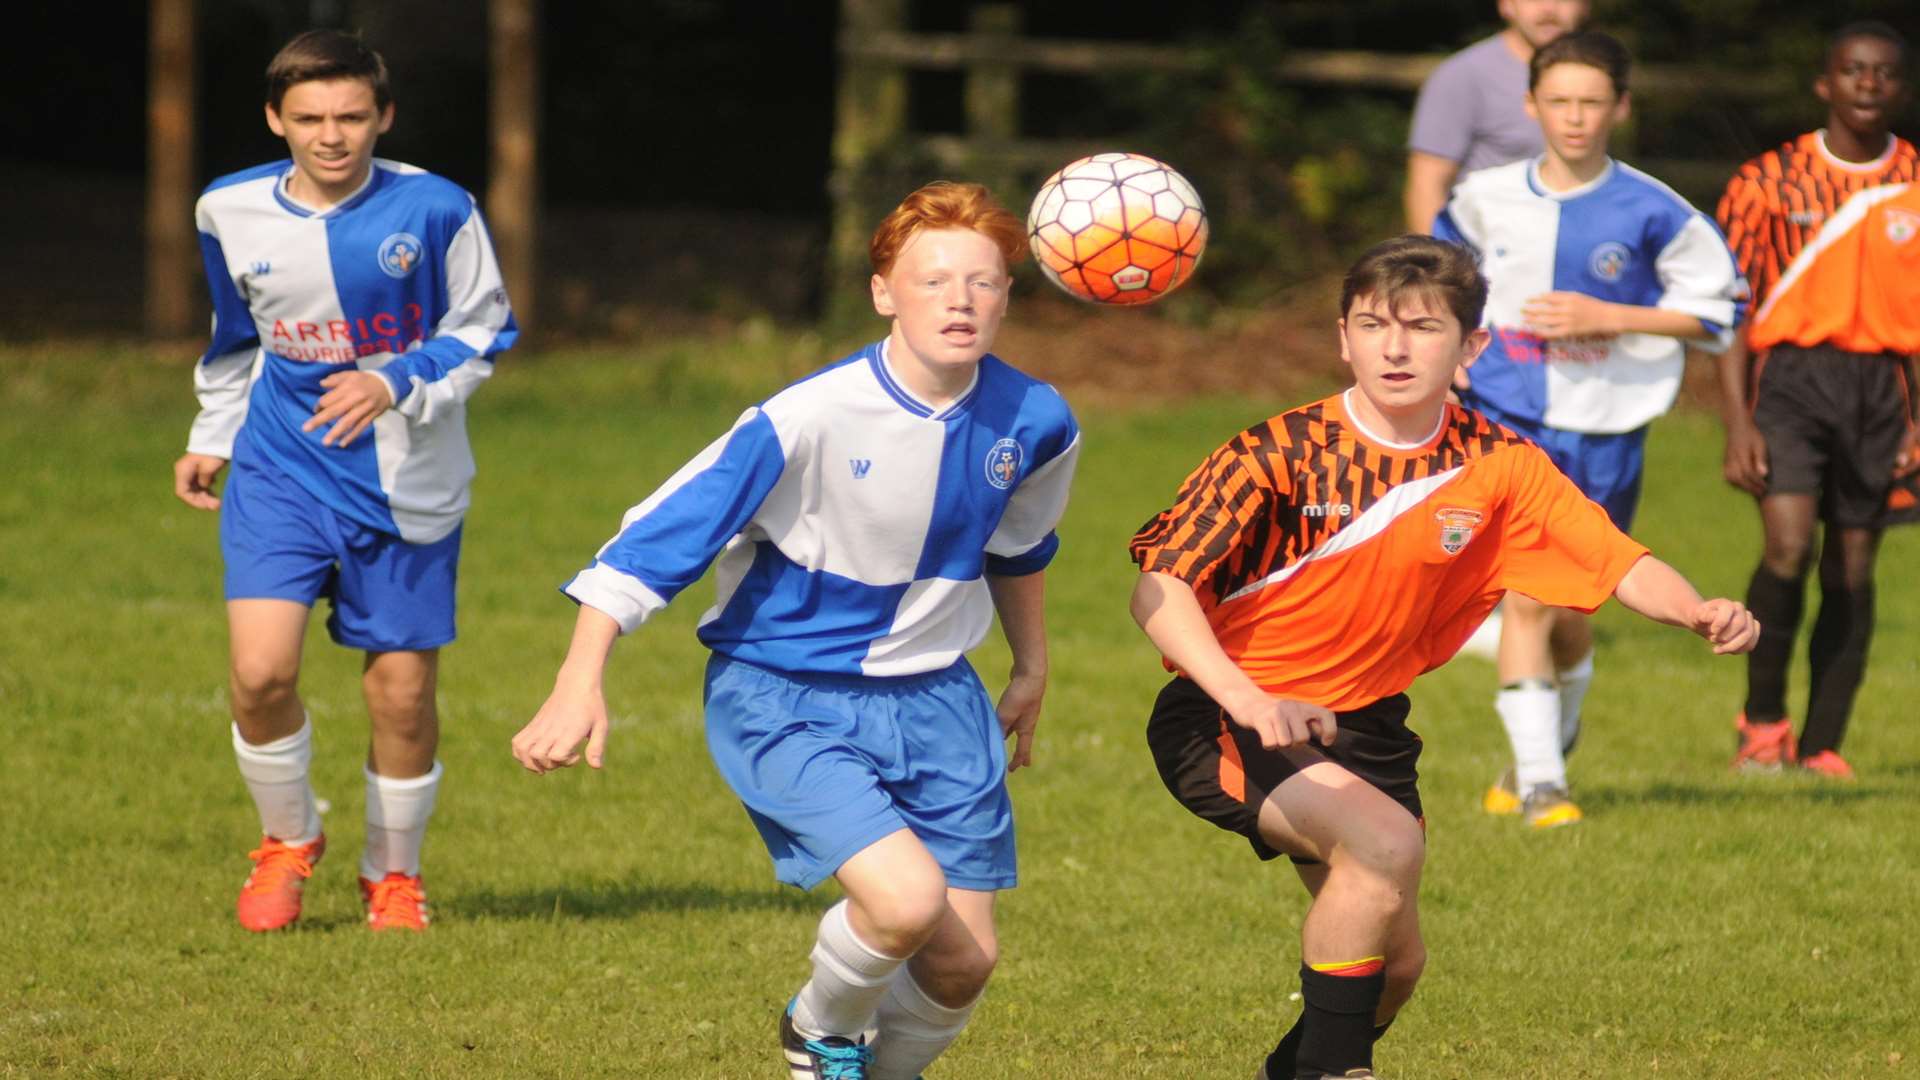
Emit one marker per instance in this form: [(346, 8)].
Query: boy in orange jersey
[(1820, 428), (1316, 564)]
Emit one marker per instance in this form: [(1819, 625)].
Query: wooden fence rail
[(874, 151)]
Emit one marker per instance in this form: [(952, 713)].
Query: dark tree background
[(686, 141)]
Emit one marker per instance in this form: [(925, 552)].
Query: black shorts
[(1834, 421), (1219, 770)]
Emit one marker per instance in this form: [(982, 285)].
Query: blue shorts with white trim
[(828, 764), (280, 543)]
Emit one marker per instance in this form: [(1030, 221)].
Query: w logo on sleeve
[(860, 467)]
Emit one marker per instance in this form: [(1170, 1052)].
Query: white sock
[(1532, 716), (914, 1029), (276, 774), (849, 979), (1573, 693), (397, 813)]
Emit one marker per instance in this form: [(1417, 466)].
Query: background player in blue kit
[(1598, 271), (357, 304), (869, 520)]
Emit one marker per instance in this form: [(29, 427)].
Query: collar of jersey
[(1820, 142), (877, 361), (359, 195), (1541, 189), (1381, 441)]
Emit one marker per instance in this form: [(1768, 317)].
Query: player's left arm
[(449, 365), (1657, 591), (1017, 553), (1702, 296), (1020, 601)]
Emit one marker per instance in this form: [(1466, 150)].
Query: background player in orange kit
[(1316, 564), (1820, 425)]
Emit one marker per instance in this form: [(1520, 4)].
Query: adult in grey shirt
[(1472, 112)]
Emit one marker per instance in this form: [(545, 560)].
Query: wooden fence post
[(513, 167), (870, 115), (992, 100), (172, 239)]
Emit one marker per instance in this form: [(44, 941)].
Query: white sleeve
[(448, 367), (1699, 277)]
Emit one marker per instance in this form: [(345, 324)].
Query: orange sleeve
[(1207, 520), (1742, 214), (1560, 547)]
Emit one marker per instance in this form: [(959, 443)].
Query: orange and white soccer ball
[(1117, 229)]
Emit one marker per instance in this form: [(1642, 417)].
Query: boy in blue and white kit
[(870, 519), (1598, 272), (357, 304)]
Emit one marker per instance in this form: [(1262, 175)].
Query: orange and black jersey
[(1335, 567), (1776, 203)]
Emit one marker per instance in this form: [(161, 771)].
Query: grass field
[(625, 923)]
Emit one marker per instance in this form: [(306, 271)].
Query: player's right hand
[(1745, 462), (193, 477), (1281, 723), (551, 740)]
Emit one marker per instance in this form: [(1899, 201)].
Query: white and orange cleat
[(395, 902), (270, 898)]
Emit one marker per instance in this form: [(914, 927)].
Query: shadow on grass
[(1753, 791), (624, 899)]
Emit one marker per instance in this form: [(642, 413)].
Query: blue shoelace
[(847, 1061)]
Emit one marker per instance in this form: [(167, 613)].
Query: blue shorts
[(280, 543), (1606, 468), (828, 764)]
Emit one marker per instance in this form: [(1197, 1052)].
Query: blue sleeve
[(667, 542), (477, 323), (1444, 228), (233, 326)]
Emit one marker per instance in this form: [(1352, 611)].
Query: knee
[(259, 680), (903, 916), (1385, 866), (1786, 557), (402, 705)]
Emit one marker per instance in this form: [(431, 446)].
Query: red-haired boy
[(870, 519)]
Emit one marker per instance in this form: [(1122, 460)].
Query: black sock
[(1281, 1063), (1777, 602), (1837, 658), (1336, 1022)]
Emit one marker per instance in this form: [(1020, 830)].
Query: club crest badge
[(1003, 463), (1609, 260), (1456, 527), (1902, 226), (399, 254)]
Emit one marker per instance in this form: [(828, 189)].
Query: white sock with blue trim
[(1573, 694), (849, 979)]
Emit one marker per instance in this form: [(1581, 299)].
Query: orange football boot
[(395, 902), (1829, 764), (270, 899), (1765, 746)]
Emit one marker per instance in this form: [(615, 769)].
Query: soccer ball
[(1117, 229)]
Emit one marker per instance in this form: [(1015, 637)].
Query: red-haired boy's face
[(946, 292), (1865, 84)]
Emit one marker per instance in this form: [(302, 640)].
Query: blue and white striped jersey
[(1623, 237), (853, 523), (399, 278)]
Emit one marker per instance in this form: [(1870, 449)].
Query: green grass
[(625, 923)]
